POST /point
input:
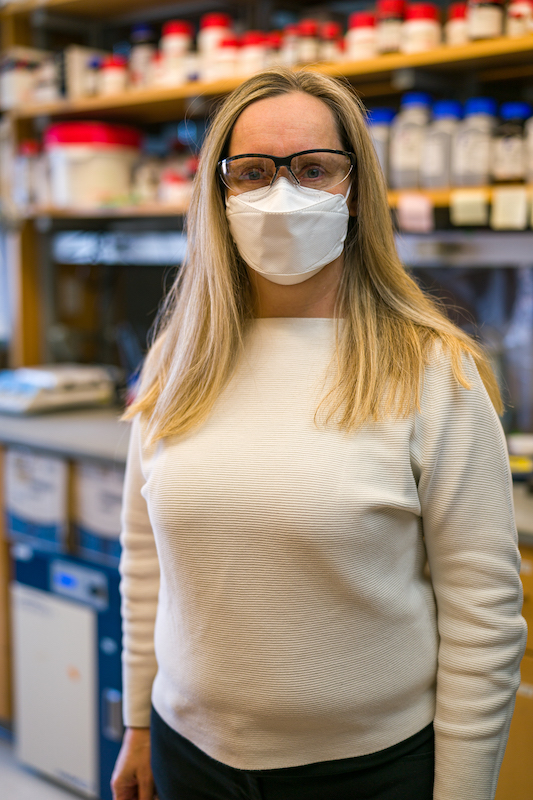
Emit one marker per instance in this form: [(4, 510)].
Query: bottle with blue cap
[(471, 148), (407, 136), (436, 164), (379, 124), (509, 147), (142, 53)]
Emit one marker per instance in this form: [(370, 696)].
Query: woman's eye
[(251, 175), (312, 173)]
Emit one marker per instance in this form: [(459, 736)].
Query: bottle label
[(471, 155), (406, 146), (508, 158), (485, 22), (434, 161)]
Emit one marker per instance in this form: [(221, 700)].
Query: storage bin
[(90, 163)]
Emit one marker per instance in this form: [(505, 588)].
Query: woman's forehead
[(283, 125)]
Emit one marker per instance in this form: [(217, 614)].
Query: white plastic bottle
[(213, 29), (141, 55), (308, 41), (435, 172), (456, 27), (421, 30), (379, 126), (253, 54), (331, 42), (407, 137), (361, 39), (472, 143)]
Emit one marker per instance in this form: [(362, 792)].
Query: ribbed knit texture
[(296, 621)]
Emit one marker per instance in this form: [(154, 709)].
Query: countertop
[(95, 433), (98, 433)]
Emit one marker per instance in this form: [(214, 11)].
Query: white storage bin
[(90, 162)]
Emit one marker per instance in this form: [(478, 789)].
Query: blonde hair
[(390, 325)]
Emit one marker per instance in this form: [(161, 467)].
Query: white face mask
[(288, 233)]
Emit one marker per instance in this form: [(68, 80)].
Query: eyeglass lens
[(315, 170)]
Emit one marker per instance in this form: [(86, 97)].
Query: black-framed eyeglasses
[(315, 169)]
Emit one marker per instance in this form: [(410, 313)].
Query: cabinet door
[(516, 776)]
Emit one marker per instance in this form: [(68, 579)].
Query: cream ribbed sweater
[(286, 563)]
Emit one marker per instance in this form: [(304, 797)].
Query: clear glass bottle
[(379, 126), (508, 158), (407, 137), (472, 143), (436, 167)]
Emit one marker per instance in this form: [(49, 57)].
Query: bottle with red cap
[(253, 55), (274, 41), (389, 21), (421, 30), (485, 19), (456, 27), (225, 61), (290, 38), (360, 39), (176, 38), (213, 29), (308, 41), (519, 18), (113, 75), (331, 42)]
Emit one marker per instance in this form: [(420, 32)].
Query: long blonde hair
[(389, 324)]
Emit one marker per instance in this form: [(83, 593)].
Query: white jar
[(141, 55), (308, 42), (519, 18), (389, 21), (331, 42), (176, 38), (485, 19), (360, 39), (456, 27), (213, 29), (421, 30), (113, 75), (225, 62), (253, 55), (290, 46), (472, 144), (90, 162)]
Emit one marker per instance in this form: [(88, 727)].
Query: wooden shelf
[(107, 212), (440, 198), (95, 9), (162, 104)]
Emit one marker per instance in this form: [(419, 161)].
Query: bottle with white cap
[(379, 125), (407, 137), (436, 164), (472, 143)]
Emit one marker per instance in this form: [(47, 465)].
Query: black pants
[(183, 772)]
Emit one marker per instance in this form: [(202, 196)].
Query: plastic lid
[(180, 26), (390, 8), (330, 31), (29, 147), (480, 105), (114, 62), (457, 11), (274, 39), (229, 41), (380, 116), (291, 30), (361, 19), (516, 110), (215, 20), (308, 27), (415, 99), (485, 2), (91, 133), (447, 108), (422, 11), (141, 32), (253, 38)]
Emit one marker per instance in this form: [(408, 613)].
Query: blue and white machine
[(67, 668)]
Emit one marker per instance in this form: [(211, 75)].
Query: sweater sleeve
[(465, 490), (139, 588)]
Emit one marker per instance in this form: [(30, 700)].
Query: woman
[(318, 521)]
